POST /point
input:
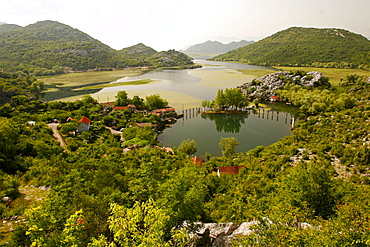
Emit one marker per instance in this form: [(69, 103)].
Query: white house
[(84, 124)]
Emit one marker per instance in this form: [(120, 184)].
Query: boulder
[(368, 80), (216, 234)]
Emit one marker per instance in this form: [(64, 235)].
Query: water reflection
[(228, 123)]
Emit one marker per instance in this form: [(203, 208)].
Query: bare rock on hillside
[(264, 87)]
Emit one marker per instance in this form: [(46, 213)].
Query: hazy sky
[(175, 24)]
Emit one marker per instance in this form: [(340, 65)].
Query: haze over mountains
[(216, 47)]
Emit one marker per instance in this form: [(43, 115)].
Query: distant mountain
[(50, 47), (215, 47), (297, 46), (4, 27)]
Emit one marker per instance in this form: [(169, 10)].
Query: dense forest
[(313, 47), (49, 47), (311, 188)]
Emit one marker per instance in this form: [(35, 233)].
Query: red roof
[(69, 119), (196, 160), (230, 169), (117, 108), (85, 120), (163, 110)]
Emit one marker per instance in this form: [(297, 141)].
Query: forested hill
[(137, 51), (215, 47), (299, 46), (50, 47), (4, 27)]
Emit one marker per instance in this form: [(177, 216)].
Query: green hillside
[(299, 46), (4, 27), (50, 47), (139, 51)]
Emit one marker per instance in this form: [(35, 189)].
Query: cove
[(251, 129)]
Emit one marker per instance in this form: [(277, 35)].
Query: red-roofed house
[(129, 107), (228, 170), (197, 161), (69, 119), (274, 98), (84, 124), (164, 110)]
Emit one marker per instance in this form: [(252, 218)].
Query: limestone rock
[(264, 87)]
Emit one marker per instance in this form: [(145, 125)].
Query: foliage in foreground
[(318, 176)]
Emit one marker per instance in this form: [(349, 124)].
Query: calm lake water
[(251, 130), (182, 81)]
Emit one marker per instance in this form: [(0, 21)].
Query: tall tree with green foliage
[(188, 146), (122, 99), (155, 102), (228, 146)]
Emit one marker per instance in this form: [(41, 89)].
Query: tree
[(141, 136), (66, 128), (220, 100), (141, 225), (228, 146), (138, 102), (87, 99), (188, 146), (9, 137), (122, 99), (155, 102), (235, 97)]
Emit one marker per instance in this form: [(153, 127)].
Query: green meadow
[(100, 86)]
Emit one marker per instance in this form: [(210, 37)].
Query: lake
[(186, 89), (250, 129), (183, 89)]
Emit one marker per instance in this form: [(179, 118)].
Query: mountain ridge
[(49, 47), (298, 46), (215, 47)]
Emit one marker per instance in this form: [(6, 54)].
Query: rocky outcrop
[(264, 87), (368, 80), (220, 234)]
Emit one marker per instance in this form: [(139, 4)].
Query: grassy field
[(256, 72), (77, 84), (334, 75), (89, 78), (100, 86)]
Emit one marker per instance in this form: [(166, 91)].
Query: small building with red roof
[(84, 124), (228, 170), (197, 161)]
